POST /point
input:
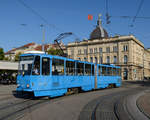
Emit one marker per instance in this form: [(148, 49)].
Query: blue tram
[(48, 75)]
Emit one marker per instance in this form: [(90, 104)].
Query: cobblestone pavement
[(143, 103)]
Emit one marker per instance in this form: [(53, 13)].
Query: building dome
[(99, 32)]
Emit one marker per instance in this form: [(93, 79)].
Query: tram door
[(57, 71), (95, 74), (45, 70)]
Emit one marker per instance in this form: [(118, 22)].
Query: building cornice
[(106, 40)]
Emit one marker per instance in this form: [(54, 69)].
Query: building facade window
[(85, 51), (125, 74), (108, 49), (101, 60), (115, 48), (95, 59), (95, 50), (72, 52), (85, 59), (108, 59), (100, 50), (91, 50), (91, 59), (125, 48), (125, 59), (79, 51), (115, 59)]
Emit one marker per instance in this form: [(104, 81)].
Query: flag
[(90, 17)]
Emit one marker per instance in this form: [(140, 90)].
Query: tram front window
[(25, 65), (36, 66)]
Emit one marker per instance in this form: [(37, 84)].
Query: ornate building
[(125, 51)]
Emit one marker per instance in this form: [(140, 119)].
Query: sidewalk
[(143, 103)]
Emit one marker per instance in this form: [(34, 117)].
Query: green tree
[(6, 58), (53, 51), (1, 54), (17, 56)]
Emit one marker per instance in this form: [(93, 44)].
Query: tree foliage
[(6, 58), (1, 54), (17, 56), (53, 51)]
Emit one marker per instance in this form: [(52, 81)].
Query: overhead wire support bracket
[(60, 37)]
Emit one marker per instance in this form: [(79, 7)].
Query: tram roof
[(64, 58)]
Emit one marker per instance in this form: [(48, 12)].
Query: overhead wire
[(138, 10), (37, 14), (130, 17), (44, 19), (106, 6), (107, 18)]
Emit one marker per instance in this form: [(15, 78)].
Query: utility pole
[(43, 40)]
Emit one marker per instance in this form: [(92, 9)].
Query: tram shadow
[(23, 95), (28, 95)]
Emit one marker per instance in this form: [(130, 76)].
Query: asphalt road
[(110, 104)]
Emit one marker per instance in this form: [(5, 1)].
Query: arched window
[(108, 59), (115, 59), (125, 59), (125, 74)]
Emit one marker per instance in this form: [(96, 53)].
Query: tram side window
[(45, 66), (109, 71), (36, 67), (118, 71), (104, 71), (114, 71), (93, 70), (70, 68), (87, 69), (57, 67), (80, 68)]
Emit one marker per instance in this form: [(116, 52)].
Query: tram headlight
[(27, 85)]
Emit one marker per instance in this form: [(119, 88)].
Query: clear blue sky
[(69, 16)]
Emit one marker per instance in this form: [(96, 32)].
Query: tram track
[(13, 106), (9, 100), (16, 109), (109, 107)]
